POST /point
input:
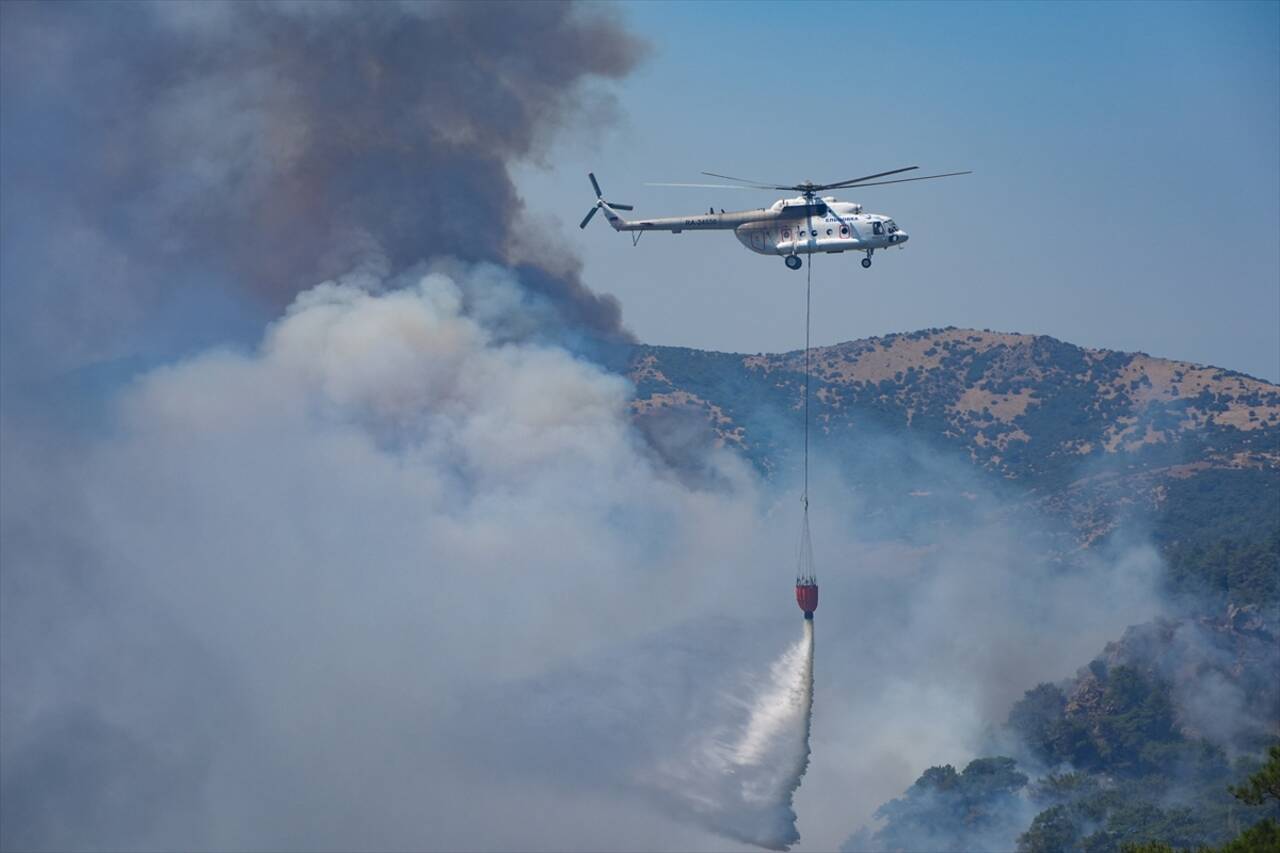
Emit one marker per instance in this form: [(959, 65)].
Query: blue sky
[(1126, 190)]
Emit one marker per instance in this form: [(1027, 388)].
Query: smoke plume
[(181, 161)]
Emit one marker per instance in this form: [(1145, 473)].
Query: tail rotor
[(600, 202)]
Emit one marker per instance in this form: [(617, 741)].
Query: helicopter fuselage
[(795, 226)]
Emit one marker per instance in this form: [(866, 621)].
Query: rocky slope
[(1087, 434)]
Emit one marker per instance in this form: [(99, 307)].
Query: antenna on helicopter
[(600, 202)]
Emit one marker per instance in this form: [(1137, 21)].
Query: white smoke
[(405, 576), (284, 559), (739, 779)]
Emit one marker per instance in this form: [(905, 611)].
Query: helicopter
[(790, 227)]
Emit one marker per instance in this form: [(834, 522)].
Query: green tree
[(1140, 715), (1263, 785), (1052, 831), (1036, 716), (945, 810), (1262, 837)]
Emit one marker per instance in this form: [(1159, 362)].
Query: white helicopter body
[(790, 227)]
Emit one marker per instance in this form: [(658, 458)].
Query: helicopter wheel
[(866, 263), (793, 262)]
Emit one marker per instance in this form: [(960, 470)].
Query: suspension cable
[(804, 562), (808, 288)]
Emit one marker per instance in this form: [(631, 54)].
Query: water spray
[(740, 777)]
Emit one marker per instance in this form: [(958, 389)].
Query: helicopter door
[(757, 240)]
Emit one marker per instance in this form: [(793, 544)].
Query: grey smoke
[(186, 160)]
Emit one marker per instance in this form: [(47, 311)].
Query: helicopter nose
[(902, 237)]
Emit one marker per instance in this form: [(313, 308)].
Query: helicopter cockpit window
[(891, 226), (877, 227)]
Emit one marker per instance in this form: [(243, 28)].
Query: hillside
[(1142, 743), (1026, 407), (1092, 437), (1140, 746)]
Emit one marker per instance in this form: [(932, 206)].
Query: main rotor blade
[(711, 186), (840, 184), (757, 184), (587, 218), (908, 180), (592, 176), (617, 206)]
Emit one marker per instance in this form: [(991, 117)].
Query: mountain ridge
[(1002, 372), (1092, 436)]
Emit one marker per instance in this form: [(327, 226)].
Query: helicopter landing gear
[(866, 262), (793, 262)]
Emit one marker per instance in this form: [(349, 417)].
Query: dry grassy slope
[(1011, 377), (1032, 409), (987, 382)]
